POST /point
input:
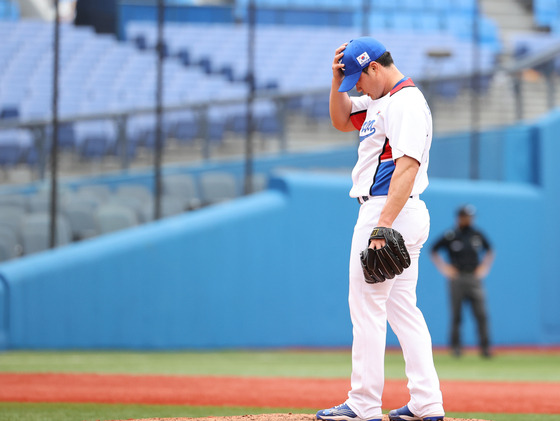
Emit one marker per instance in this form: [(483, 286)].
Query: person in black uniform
[(470, 258)]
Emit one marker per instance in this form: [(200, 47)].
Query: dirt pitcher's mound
[(270, 417)]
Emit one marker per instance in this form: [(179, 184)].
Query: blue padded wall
[(264, 271)]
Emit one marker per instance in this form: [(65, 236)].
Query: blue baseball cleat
[(405, 414), (341, 412)]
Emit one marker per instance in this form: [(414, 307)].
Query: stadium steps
[(497, 106)]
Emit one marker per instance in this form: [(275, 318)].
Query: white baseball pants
[(372, 305)]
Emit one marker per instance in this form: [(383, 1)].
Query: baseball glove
[(388, 261)]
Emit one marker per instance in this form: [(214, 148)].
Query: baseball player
[(395, 133), (464, 245)]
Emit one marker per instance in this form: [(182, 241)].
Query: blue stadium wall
[(270, 269)]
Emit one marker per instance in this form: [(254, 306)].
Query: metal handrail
[(191, 105)]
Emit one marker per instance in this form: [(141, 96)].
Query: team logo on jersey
[(363, 59), (368, 127)]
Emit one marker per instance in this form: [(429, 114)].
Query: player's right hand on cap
[(337, 67)]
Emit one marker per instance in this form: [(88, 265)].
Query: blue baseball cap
[(358, 54)]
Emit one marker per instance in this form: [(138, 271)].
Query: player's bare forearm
[(400, 188), (340, 108), (340, 105)]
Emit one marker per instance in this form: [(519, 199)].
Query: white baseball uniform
[(398, 124)]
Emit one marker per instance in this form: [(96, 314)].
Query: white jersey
[(398, 124)]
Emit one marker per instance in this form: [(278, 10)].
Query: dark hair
[(384, 60)]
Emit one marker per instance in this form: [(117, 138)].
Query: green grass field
[(505, 366)]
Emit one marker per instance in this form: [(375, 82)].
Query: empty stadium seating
[(182, 186), (89, 210), (100, 75), (217, 187), (455, 16), (35, 232), (10, 246), (225, 47), (15, 146), (81, 217)]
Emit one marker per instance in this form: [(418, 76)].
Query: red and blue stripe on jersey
[(384, 172)]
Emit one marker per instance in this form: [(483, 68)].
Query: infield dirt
[(269, 417), (305, 393), (458, 396)]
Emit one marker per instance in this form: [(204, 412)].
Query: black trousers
[(467, 288)]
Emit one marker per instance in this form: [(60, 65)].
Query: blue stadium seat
[(184, 126), (411, 5), (468, 7), (14, 146), (9, 112), (112, 217), (13, 200), (10, 246), (377, 20), (94, 193), (461, 25), (182, 186), (402, 21), (427, 22), (136, 191), (170, 206), (216, 124), (132, 203), (39, 202), (80, 215), (35, 232), (95, 139), (11, 217), (217, 187), (11, 154), (9, 10), (437, 6), (546, 12), (384, 5)]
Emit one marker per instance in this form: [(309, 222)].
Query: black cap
[(466, 210)]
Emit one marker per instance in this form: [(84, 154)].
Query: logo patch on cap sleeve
[(363, 58)]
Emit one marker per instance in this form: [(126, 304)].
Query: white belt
[(364, 199)]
